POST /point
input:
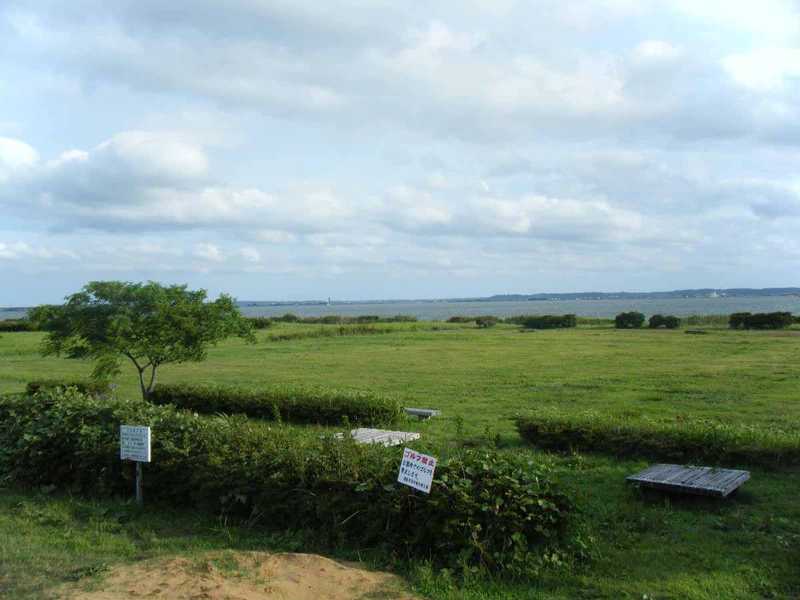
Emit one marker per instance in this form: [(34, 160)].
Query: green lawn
[(746, 547)]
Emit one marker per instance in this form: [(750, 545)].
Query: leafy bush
[(460, 319), (629, 320), (669, 321), (260, 322), (94, 388), (544, 321), (681, 440), (16, 325), (487, 509), (737, 320), (773, 320), (486, 321), (293, 404)]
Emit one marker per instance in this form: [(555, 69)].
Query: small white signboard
[(416, 470), (134, 443)]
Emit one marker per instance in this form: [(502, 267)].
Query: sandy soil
[(241, 576)]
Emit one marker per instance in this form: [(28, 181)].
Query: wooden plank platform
[(705, 481), (422, 413), (364, 435)]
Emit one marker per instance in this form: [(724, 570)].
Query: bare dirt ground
[(241, 576)]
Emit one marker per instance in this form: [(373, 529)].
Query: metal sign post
[(134, 444)]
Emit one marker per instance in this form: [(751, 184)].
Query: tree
[(147, 323)]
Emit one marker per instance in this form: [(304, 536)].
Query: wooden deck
[(364, 435), (705, 481)]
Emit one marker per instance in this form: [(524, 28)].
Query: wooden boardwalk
[(705, 481)]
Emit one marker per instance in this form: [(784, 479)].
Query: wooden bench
[(422, 413), (704, 481), (364, 435)]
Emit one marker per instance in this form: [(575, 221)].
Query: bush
[(260, 322), (544, 321), (293, 404), (287, 318), (629, 320), (487, 509), (669, 321), (93, 388), (16, 325), (681, 440), (460, 319), (737, 320), (773, 320), (486, 321)]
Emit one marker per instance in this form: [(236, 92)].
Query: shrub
[(773, 320), (293, 404), (460, 319), (287, 318), (486, 321), (681, 440), (16, 325), (669, 321), (498, 511), (94, 388), (629, 320), (260, 322), (544, 321), (737, 320)]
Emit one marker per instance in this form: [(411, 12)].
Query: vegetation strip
[(292, 404), (495, 511), (681, 440)]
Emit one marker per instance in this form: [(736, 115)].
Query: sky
[(353, 149)]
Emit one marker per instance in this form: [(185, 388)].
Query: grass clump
[(487, 510), (681, 439), (291, 404)]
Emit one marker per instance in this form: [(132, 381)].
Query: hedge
[(544, 321), (16, 325), (84, 387), (342, 320), (294, 404), (486, 321), (629, 320), (668, 321), (485, 508), (773, 320), (681, 440)]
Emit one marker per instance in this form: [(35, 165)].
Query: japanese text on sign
[(134, 443), (416, 470)]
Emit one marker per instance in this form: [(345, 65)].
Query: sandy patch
[(241, 576)]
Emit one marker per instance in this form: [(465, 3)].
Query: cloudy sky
[(295, 149)]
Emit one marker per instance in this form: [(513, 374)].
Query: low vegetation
[(681, 440), (488, 510), (773, 320), (544, 321), (668, 322), (291, 404), (629, 320)]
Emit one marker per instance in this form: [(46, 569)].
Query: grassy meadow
[(646, 545)]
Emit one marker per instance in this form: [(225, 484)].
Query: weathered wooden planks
[(706, 481), (364, 435)]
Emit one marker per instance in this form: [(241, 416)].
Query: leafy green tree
[(147, 323)]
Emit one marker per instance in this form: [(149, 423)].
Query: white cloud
[(15, 155), (765, 69)]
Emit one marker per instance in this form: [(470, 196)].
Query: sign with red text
[(134, 443), (416, 470)]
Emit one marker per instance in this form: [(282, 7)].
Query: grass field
[(646, 546)]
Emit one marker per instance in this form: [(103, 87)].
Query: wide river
[(442, 309)]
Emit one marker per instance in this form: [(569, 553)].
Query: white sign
[(134, 443), (416, 470)]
